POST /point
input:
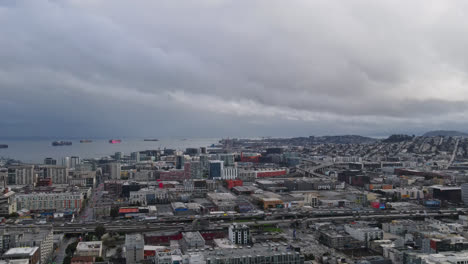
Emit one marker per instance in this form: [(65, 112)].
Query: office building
[(42, 238), (192, 240), (114, 171), (239, 234), (21, 175), (58, 174), (228, 159), (196, 171), (134, 248), (74, 161), (66, 162), (180, 161), (118, 155), (229, 173), (464, 193), (50, 161), (135, 156), (216, 169), (192, 151), (50, 201)]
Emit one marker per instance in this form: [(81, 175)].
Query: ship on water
[(61, 143), (3, 146), (150, 139), (86, 141), (114, 141)]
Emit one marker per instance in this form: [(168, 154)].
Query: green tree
[(67, 260), (114, 212), (71, 248), (100, 230), (13, 215)]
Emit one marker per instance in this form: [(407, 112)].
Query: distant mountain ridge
[(445, 133)]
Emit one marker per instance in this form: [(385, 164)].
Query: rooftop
[(21, 251)]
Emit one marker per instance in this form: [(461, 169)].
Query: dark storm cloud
[(242, 67)]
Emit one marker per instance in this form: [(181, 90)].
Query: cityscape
[(233, 132), (328, 199)]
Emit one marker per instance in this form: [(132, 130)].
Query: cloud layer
[(234, 68)]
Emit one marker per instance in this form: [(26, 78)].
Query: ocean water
[(35, 151)]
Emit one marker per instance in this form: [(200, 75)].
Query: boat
[(61, 143), (86, 141), (3, 146), (150, 139), (114, 141)]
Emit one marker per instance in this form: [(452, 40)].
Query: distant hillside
[(344, 139), (397, 138), (445, 133)]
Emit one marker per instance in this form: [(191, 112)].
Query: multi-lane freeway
[(184, 223)]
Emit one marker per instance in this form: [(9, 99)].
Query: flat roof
[(21, 251)]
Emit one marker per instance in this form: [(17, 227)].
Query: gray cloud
[(219, 67)]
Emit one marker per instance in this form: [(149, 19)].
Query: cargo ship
[(86, 141), (61, 143), (150, 139), (114, 141), (3, 146)]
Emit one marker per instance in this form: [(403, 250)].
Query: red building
[(271, 173), (44, 182), (233, 183), (250, 157)]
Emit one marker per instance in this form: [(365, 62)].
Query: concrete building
[(134, 248), (196, 171), (364, 233), (271, 254), (180, 161), (58, 174), (7, 203), (66, 162), (74, 161), (147, 196), (192, 240), (31, 254), (311, 199), (216, 169), (229, 173), (239, 234), (21, 175), (50, 161), (115, 171), (89, 249), (50, 201), (135, 156), (42, 238), (228, 159)]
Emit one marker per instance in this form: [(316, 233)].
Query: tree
[(67, 260), (114, 212), (100, 230), (71, 248), (13, 215)]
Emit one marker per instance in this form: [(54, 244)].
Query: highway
[(184, 223)]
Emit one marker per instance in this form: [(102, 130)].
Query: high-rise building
[(216, 169), (180, 161), (21, 175), (228, 159), (58, 174), (114, 170), (196, 171), (229, 173), (118, 155), (239, 234), (192, 151), (203, 150), (66, 162), (134, 248), (135, 156), (50, 161), (74, 161)]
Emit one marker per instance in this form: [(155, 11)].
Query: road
[(88, 214), (59, 254), (180, 224)]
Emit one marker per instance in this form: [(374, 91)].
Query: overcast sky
[(214, 68)]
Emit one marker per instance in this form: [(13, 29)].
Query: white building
[(134, 248), (239, 234), (91, 249), (50, 201), (114, 170), (21, 175), (365, 234), (229, 173), (74, 161), (59, 175), (154, 195)]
